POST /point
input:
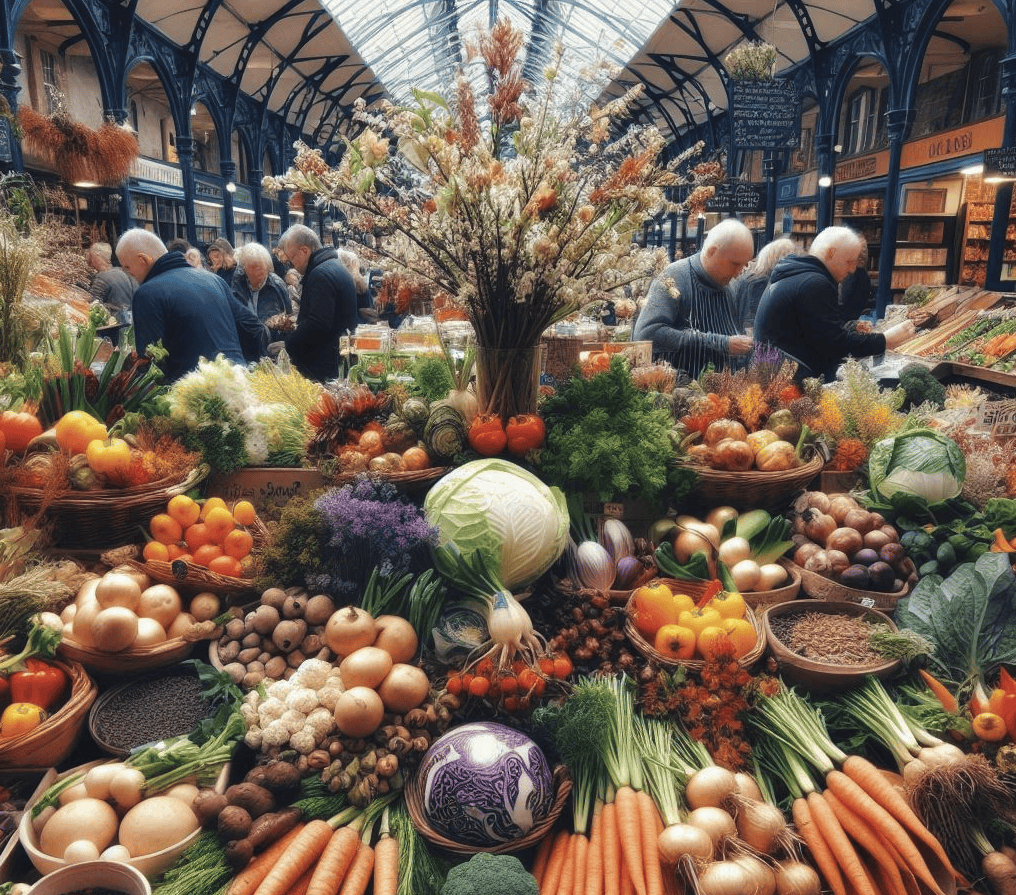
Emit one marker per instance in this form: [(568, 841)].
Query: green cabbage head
[(921, 462), (518, 523)]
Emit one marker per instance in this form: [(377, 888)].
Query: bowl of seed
[(827, 646)]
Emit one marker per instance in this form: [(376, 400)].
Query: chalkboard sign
[(1000, 162), (765, 114), (738, 198)]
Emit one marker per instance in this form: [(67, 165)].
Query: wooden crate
[(265, 486)]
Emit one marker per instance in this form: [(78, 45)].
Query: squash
[(724, 428), (776, 457), (733, 454)]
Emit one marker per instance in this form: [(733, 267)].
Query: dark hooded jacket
[(800, 315), (327, 312), (195, 315)]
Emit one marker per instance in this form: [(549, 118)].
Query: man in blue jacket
[(192, 311), (327, 304)]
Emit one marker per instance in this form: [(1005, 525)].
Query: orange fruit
[(238, 543), (226, 565), (210, 504), (219, 522), (206, 553), (156, 550), (244, 512), (175, 551), (165, 528), (184, 509), (196, 535)]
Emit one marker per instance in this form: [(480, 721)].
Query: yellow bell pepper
[(19, 718)]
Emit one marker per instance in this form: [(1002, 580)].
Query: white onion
[(678, 840), (747, 787), (715, 821), (709, 786), (760, 824), (594, 566), (724, 878), (940, 755), (796, 878), (618, 539), (762, 879)]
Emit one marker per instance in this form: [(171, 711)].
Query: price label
[(614, 510), (867, 602)]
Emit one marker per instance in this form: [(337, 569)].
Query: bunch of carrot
[(333, 857), (612, 846), (859, 830)]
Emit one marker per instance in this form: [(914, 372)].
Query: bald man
[(192, 311)]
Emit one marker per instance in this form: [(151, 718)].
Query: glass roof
[(421, 44)]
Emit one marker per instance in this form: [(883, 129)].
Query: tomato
[(19, 428), (525, 433), (109, 456), (654, 607), (19, 718), (487, 435), (75, 429)]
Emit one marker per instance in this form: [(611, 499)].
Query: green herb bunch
[(604, 435)]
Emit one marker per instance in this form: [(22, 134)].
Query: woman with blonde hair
[(365, 310), (748, 287), (221, 259)]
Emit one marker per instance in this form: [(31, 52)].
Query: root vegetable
[(715, 821), (156, 823), (207, 805), (275, 597), (255, 799), (365, 667), (359, 712), (289, 634), (349, 629), (278, 777), (1000, 871), (233, 823), (204, 606), (294, 606), (91, 819), (269, 827), (265, 619), (797, 878), (760, 825), (397, 637), (318, 610), (679, 840), (404, 688)]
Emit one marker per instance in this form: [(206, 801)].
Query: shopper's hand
[(863, 326), (740, 345)]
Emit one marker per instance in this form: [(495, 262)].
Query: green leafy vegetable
[(967, 617), (605, 435), (1000, 512), (920, 462)]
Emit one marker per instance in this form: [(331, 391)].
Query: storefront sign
[(243, 195), (954, 143), (738, 198), (156, 172), (765, 114), (207, 189), (858, 168), (1000, 162)]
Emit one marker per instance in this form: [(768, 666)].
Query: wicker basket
[(185, 576), (646, 648), (132, 661), (759, 599), (413, 793), (819, 588), (53, 740), (814, 674), (754, 489), (94, 519), (412, 482)]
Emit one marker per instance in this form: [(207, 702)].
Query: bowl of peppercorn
[(93, 878), (826, 646)]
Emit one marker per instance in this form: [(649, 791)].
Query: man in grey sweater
[(689, 313), (112, 286)]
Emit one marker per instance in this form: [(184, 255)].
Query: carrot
[(303, 883), (821, 854), (886, 824), (334, 861), (555, 863), (611, 851), (541, 857), (386, 866), (567, 879), (846, 856), (650, 853), (594, 859), (247, 880), (302, 852), (359, 874), (866, 776), (579, 863), (630, 836), (865, 837), (906, 874), (940, 690), (627, 883)]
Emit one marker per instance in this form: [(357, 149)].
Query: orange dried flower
[(849, 455), (752, 407), (789, 394)]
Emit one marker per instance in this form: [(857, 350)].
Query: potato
[(255, 799)]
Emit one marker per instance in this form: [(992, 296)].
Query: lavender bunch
[(371, 526)]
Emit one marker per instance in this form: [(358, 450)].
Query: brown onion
[(734, 455), (847, 540), (724, 428)]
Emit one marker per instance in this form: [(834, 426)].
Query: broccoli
[(921, 386), (490, 875)]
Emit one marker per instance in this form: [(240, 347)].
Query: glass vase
[(508, 379)]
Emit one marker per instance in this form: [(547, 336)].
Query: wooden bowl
[(813, 674)]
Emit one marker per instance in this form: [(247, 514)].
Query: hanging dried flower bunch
[(79, 153)]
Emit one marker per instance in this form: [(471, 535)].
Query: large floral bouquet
[(521, 216)]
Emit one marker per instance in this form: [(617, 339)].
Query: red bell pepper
[(5, 693), (41, 684), (525, 433), (487, 435)]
